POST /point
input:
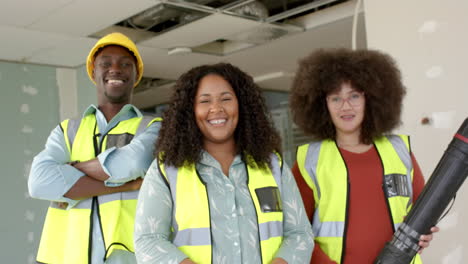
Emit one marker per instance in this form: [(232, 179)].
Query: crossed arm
[(92, 183), (54, 178)]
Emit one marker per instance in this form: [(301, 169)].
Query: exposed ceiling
[(267, 46)]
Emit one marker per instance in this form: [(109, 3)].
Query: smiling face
[(346, 107), (115, 74), (216, 110)]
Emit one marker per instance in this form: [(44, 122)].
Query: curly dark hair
[(370, 71), (180, 139)]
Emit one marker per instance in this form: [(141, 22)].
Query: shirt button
[(236, 244)]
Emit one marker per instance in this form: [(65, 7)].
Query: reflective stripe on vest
[(318, 160), (192, 235), (67, 233)]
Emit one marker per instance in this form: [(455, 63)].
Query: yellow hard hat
[(118, 39)]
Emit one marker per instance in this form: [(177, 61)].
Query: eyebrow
[(223, 93)]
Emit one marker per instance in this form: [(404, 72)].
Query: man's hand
[(91, 168)]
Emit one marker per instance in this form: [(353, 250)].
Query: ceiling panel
[(204, 30), (69, 53), (84, 17), (158, 64), (283, 54), (152, 97), (17, 46), (275, 80), (73, 22), (22, 13)]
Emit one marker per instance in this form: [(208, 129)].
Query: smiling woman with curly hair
[(356, 179), (218, 191), (180, 138)]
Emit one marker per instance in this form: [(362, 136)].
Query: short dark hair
[(371, 71), (180, 139)]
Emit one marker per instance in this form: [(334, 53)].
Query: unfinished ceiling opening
[(223, 26), (148, 83)]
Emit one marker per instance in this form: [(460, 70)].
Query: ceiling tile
[(22, 13), (69, 53), (16, 43), (85, 17), (199, 32), (158, 64)]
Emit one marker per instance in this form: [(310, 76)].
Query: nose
[(115, 68), (346, 104), (216, 107)]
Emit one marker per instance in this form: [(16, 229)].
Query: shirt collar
[(208, 160), (128, 108)]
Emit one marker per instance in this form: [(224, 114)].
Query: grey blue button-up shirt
[(51, 177), (233, 218)]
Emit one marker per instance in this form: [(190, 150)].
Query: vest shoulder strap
[(162, 171), (146, 121), (278, 159), (70, 128), (277, 169), (402, 147)]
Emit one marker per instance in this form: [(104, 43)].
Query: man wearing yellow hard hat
[(92, 167)]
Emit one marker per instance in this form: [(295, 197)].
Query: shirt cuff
[(180, 256), (71, 203), (284, 255), (102, 157), (72, 176), (292, 251)]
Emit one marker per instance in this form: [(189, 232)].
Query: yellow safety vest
[(191, 223), (318, 160), (66, 234)]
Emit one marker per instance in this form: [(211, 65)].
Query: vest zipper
[(98, 212), (97, 151), (209, 210), (94, 200), (256, 214), (91, 226), (385, 191), (348, 187), (95, 203)]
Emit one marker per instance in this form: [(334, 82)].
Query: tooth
[(115, 81)]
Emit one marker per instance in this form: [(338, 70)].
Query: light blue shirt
[(233, 218), (51, 177)]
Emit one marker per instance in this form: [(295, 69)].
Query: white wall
[(429, 40)]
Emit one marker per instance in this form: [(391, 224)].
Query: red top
[(369, 226)]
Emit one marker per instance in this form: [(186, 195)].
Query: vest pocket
[(118, 140), (269, 199), (396, 185)]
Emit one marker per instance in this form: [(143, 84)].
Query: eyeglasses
[(355, 99)]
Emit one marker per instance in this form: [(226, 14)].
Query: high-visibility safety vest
[(66, 235), (325, 172), (191, 225)]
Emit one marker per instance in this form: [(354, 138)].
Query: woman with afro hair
[(357, 180), (218, 191)]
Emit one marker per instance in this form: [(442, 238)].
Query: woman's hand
[(187, 261), (424, 240), (279, 261)]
